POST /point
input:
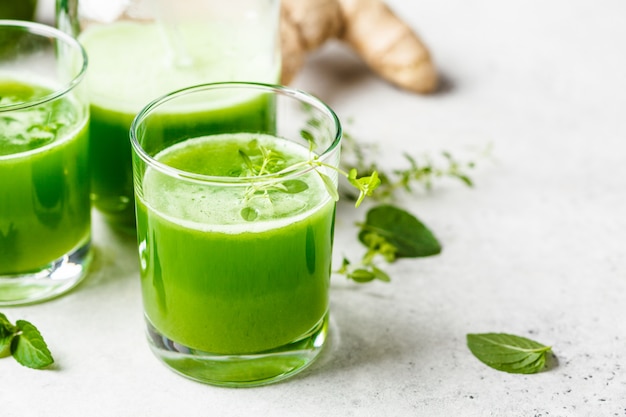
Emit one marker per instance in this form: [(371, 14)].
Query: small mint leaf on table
[(508, 353), (402, 230), (7, 331), (29, 348), (6, 325)]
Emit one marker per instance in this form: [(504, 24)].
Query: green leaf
[(29, 348), (6, 325), (406, 233), (365, 185), (249, 214), (295, 186), (362, 275), (343, 269), (466, 180), (378, 245), (508, 353), (330, 186), (308, 136), (380, 274), (7, 331), (247, 160)]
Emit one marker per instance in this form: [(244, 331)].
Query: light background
[(536, 248)]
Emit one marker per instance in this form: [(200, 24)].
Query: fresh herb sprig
[(23, 341), (271, 162), (422, 170), (389, 233), (508, 353)]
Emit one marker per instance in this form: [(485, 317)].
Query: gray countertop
[(537, 248)]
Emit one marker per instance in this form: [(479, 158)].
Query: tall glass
[(44, 175), (235, 229), (142, 49)]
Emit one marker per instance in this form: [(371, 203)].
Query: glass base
[(51, 281), (247, 370)]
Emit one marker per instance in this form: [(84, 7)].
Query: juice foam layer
[(218, 207)]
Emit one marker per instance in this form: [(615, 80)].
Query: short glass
[(44, 176), (235, 229), (141, 49)]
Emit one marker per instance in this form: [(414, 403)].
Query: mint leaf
[(295, 186), (6, 325), (7, 331), (410, 237), (29, 348), (508, 353), (249, 214)]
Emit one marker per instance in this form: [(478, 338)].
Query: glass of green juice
[(235, 216), (141, 49), (45, 218)]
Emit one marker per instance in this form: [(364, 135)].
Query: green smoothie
[(215, 282), (133, 63), (44, 179)]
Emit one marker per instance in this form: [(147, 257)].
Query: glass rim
[(51, 33), (287, 173)]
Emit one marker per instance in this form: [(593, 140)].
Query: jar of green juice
[(141, 49), (18, 9)]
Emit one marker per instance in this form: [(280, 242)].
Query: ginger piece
[(385, 42)]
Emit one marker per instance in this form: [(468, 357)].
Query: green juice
[(217, 283), (44, 179), (131, 63), (18, 9)]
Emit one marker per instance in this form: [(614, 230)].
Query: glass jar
[(139, 50)]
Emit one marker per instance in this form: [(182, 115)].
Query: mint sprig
[(389, 233), (410, 237), (508, 353), (25, 343)]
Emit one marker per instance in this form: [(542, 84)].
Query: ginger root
[(386, 43)]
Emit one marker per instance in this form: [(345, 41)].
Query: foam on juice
[(193, 204)]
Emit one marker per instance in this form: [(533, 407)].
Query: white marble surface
[(537, 248)]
